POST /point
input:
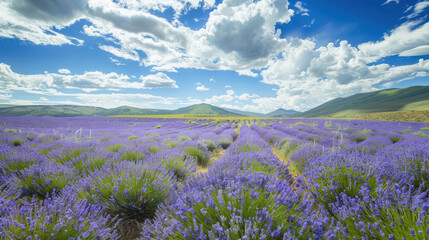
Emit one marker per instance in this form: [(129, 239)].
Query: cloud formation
[(88, 82), (237, 35)]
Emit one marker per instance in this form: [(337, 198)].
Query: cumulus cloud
[(64, 71), (395, 43), (34, 20), (238, 36), (202, 88), (89, 81), (246, 96), (159, 80)]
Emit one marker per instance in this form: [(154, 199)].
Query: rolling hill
[(282, 113), (202, 108), (84, 111), (390, 100)]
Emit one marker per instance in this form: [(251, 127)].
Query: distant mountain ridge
[(389, 100), (86, 111)]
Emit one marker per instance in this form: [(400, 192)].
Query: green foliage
[(132, 137), (10, 130), (18, 142), (172, 144), (70, 154), (89, 165), (114, 148), (132, 156), (40, 185), (333, 181), (104, 139), (418, 171), (272, 139), (211, 145), (248, 148), (18, 166), (234, 213), (153, 149), (394, 139), (152, 135), (183, 138), (129, 195), (425, 128), (360, 139), (198, 155), (178, 167), (159, 126), (421, 134), (365, 131), (224, 143), (287, 148), (399, 221)]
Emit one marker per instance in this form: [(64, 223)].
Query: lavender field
[(137, 178)]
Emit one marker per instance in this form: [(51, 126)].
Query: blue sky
[(249, 55)]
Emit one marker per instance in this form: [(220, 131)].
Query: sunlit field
[(159, 178)]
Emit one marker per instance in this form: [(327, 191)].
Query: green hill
[(282, 113), (391, 100), (84, 111), (126, 110), (203, 108), (52, 111), (245, 113)]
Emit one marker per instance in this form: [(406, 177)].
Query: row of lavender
[(371, 179), (134, 178), (96, 178)]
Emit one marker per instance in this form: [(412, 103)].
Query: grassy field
[(400, 116), (193, 116)]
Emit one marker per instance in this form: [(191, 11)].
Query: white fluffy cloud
[(159, 80), (202, 88), (89, 81), (64, 71), (238, 36)]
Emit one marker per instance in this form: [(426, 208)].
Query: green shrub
[(183, 138), (153, 149), (159, 126), (248, 148), (132, 156), (199, 156), (70, 154), (40, 183), (235, 213), (224, 143), (152, 135), (396, 221), (132, 137), (211, 145), (10, 130), (89, 165), (114, 148), (333, 181), (178, 167), (172, 144), (131, 195), (365, 131), (18, 142)]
